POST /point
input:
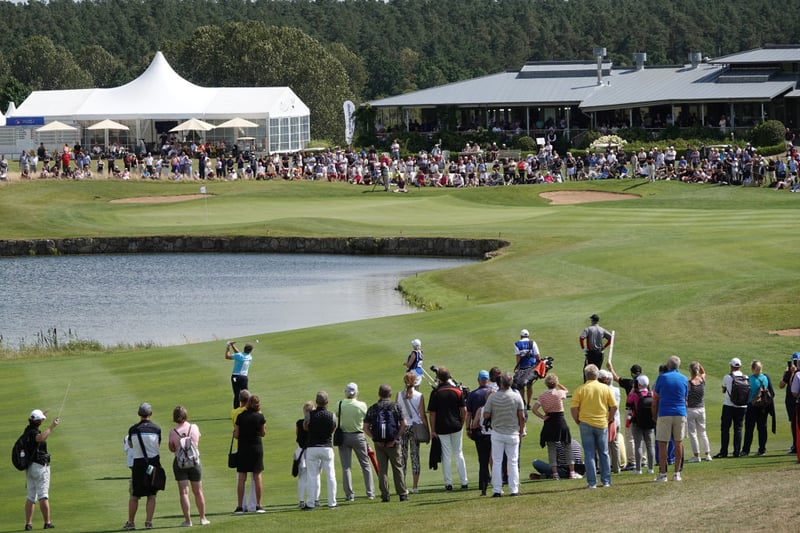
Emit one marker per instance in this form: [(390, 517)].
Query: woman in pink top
[(555, 427), (183, 476)]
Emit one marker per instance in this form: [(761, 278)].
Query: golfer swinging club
[(241, 366)]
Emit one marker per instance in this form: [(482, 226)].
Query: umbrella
[(56, 126), (237, 123), (108, 125), (193, 124)]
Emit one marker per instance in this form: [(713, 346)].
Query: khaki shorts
[(37, 480), (671, 426)]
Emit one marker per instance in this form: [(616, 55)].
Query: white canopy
[(237, 122), (56, 125), (193, 124), (108, 125), (161, 94)]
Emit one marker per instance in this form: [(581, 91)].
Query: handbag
[(157, 480), (763, 398), (420, 432), (338, 434), (232, 455)]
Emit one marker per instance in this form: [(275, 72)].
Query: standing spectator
[(593, 409), (756, 415), (477, 431), (555, 431), (790, 402), (731, 413), (241, 367), (642, 423), (448, 409), (669, 404), (696, 413), (628, 385), (185, 430), (301, 437), (251, 426), (244, 399), (412, 404), (414, 361), (144, 438), (616, 449), (320, 424), (594, 339), (506, 411), (37, 475), (351, 422), (385, 425), (526, 353)]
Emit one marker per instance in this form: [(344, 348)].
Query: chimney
[(599, 53), (639, 59), (695, 58)]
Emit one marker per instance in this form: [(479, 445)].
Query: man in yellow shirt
[(593, 408)]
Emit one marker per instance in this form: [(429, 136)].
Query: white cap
[(416, 343), (524, 333), (37, 415), (643, 381), (351, 389), (736, 362)]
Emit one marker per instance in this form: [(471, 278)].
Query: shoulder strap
[(141, 443), (339, 416), (416, 411)]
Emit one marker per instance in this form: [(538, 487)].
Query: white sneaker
[(205, 521), (676, 476), (575, 475), (708, 457), (650, 471), (186, 523), (661, 478), (694, 460), (637, 472)]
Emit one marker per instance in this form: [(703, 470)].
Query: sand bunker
[(158, 199), (787, 332), (582, 197)]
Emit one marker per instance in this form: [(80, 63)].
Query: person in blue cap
[(477, 431)]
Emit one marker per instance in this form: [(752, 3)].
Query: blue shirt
[(755, 384), (241, 363), (672, 388), (528, 352)]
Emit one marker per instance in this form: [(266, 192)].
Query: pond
[(184, 298)]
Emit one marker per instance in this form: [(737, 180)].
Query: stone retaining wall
[(417, 246)]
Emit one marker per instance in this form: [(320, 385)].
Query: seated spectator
[(543, 470)]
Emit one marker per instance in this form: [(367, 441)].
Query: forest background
[(329, 51)]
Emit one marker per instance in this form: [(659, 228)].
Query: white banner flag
[(349, 121)]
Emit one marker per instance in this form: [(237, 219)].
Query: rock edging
[(416, 246)]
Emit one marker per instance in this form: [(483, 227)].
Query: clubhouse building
[(732, 92)]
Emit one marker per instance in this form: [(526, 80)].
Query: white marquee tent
[(161, 95)]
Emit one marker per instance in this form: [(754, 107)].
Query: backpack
[(187, 456), (644, 411), (763, 397), (740, 390), (21, 455), (386, 425)]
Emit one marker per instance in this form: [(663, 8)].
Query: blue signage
[(24, 121)]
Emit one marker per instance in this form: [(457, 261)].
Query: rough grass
[(704, 272)]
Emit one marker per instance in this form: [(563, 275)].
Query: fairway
[(704, 272)]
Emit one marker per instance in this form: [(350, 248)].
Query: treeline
[(376, 48)]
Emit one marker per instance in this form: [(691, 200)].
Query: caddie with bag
[(29, 453), (733, 410), (412, 404), (184, 440), (385, 425), (147, 475)]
